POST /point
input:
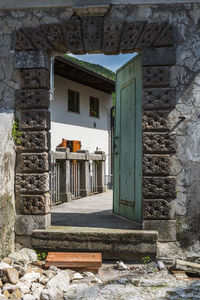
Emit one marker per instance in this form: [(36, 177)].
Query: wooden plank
[(180, 275), (74, 260)]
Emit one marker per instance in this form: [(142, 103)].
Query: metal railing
[(92, 177), (76, 174), (75, 179), (55, 182)]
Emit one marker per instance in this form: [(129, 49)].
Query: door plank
[(128, 134)]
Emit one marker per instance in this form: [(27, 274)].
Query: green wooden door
[(127, 145)]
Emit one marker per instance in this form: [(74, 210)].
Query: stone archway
[(92, 34)]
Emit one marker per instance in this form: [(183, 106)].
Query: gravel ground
[(140, 282)]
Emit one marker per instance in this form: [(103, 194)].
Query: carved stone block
[(150, 33), (31, 59), (155, 120), (92, 28), (112, 35), (34, 120), (22, 42), (159, 143), (130, 36), (166, 229), (36, 141), (73, 35), (32, 162), (32, 184), (38, 38), (26, 224), (166, 37), (156, 165), (156, 209), (154, 56), (35, 79), (159, 187), (159, 98), (34, 204), (32, 99), (55, 36), (156, 76)]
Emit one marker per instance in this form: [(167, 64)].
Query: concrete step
[(114, 244)]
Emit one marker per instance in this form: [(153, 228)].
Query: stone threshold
[(114, 244)]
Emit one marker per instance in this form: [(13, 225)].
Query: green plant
[(176, 192), (16, 134), (146, 259), (41, 255)]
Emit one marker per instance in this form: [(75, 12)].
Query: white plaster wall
[(80, 126)]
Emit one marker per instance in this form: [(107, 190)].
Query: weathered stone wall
[(183, 121), (7, 199)]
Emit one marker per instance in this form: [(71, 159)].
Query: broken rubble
[(77, 276), (30, 277), (51, 294), (9, 287), (43, 279), (16, 294), (160, 265), (12, 275), (121, 266), (7, 260), (29, 297), (36, 289), (60, 281), (24, 254), (4, 266), (24, 286), (187, 266)]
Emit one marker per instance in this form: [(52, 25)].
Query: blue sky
[(112, 62)]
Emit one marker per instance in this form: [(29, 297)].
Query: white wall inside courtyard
[(80, 126)]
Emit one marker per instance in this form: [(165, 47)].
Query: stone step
[(114, 244)]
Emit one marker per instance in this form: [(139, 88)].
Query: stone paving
[(92, 211)]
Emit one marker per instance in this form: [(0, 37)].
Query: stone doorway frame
[(94, 34)]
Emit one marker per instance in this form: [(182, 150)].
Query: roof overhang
[(73, 71)]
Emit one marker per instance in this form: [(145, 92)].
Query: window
[(94, 107), (73, 101)]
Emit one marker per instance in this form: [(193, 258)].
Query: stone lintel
[(166, 229), (91, 10), (26, 4)]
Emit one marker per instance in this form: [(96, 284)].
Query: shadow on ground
[(102, 219)]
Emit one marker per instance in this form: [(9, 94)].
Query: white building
[(81, 108)]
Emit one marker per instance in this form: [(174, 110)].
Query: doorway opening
[(87, 154)]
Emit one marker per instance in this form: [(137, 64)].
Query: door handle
[(116, 144)]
